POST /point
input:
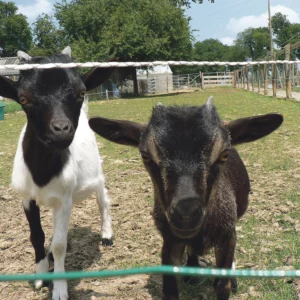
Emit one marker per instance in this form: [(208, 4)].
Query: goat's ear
[(8, 88), (117, 131), (253, 128), (96, 77)]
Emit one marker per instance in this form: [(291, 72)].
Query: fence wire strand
[(141, 64), (168, 270)]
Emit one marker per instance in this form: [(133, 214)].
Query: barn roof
[(9, 61)]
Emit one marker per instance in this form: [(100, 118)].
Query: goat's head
[(52, 98), (184, 150)]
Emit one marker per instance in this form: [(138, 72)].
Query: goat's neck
[(43, 162)]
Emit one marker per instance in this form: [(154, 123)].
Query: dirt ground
[(280, 93), (86, 253), (135, 243), (270, 217)]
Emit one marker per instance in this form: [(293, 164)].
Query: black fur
[(37, 236), (201, 185)]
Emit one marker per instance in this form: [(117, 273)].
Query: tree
[(47, 38), (187, 3), (286, 32), (128, 30), (252, 43), (15, 32), (210, 50), (125, 30)]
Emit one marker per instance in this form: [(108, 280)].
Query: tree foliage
[(285, 32), (211, 50), (47, 38), (187, 3), (252, 43), (128, 30), (15, 32)]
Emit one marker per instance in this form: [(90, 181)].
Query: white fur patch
[(41, 267), (80, 177), (85, 106), (26, 204)]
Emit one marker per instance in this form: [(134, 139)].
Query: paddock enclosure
[(268, 234)]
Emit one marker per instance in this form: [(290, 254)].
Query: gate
[(217, 79)]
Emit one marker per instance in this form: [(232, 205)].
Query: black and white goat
[(57, 163)]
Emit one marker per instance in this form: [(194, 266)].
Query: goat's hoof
[(107, 242), (38, 284), (60, 290), (234, 284)]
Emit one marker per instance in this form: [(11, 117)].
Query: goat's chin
[(185, 230), (61, 145), (57, 145), (185, 234)]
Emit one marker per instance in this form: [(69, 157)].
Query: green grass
[(266, 234), (296, 89), (11, 106)]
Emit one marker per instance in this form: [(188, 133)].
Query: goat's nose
[(186, 208), (61, 126)]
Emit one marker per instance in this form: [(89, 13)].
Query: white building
[(155, 80)]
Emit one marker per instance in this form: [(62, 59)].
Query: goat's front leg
[(61, 219), (172, 254), (37, 238), (104, 207), (224, 259), (192, 261)]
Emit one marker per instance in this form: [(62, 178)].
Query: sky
[(221, 20)]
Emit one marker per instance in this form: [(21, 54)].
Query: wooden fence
[(217, 79), (266, 75)]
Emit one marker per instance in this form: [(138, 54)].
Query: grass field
[(268, 234), (11, 106)]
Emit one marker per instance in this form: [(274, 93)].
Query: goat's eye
[(146, 157), (224, 156), (82, 93), (23, 100)]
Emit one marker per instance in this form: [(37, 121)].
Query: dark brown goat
[(201, 185)]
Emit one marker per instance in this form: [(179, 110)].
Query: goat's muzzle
[(185, 217), (61, 134)]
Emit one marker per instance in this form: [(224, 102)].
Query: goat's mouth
[(185, 233), (186, 229), (57, 144)]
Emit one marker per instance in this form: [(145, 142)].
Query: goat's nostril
[(60, 126), (66, 127), (186, 209)]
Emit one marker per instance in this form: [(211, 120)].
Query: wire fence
[(142, 64), (280, 74), (283, 80), (168, 270)]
